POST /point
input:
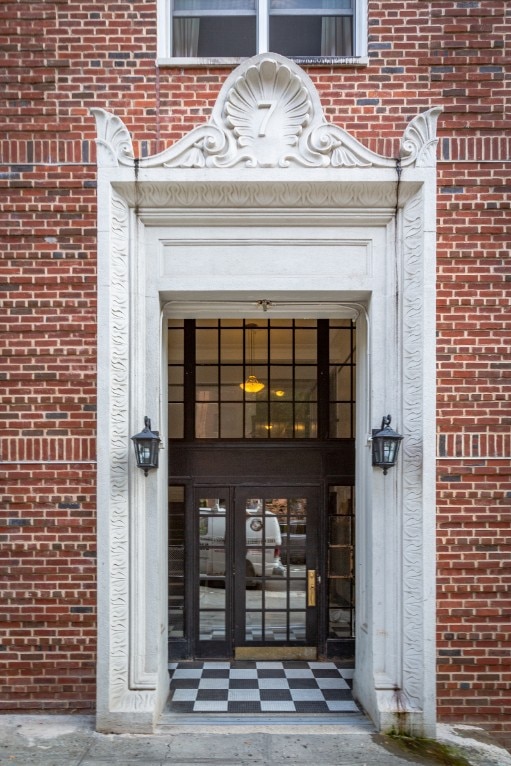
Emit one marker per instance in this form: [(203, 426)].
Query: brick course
[(60, 58)]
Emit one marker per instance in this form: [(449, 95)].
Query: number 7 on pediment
[(270, 106)]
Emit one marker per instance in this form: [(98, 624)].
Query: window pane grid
[(342, 380), (176, 562), (284, 356), (211, 14), (310, 12), (240, 28), (175, 390), (340, 562), (344, 6), (222, 6)]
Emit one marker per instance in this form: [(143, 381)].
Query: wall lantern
[(386, 443), (147, 445)]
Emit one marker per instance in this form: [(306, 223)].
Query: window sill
[(320, 61)]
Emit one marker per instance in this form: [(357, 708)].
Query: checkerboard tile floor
[(261, 687)]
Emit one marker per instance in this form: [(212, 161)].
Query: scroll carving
[(267, 115)]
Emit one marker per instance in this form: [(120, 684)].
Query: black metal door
[(276, 577), (213, 579), (255, 571)]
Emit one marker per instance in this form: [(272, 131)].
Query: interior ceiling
[(264, 308)]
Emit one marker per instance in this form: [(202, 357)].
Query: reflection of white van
[(212, 543)]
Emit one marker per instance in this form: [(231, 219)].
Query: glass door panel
[(340, 565), (176, 569), (214, 586), (275, 559)]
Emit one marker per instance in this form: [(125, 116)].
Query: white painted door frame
[(294, 211)]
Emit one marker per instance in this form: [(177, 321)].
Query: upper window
[(234, 29), (261, 379)]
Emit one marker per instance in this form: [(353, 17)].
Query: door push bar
[(311, 587)]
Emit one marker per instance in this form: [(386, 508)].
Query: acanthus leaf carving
[(113, 140), (419, 141)]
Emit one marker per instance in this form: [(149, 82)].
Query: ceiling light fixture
[(251, 385)]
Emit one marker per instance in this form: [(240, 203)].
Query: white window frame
[(164, 50)]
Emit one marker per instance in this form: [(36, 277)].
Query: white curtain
[(186, 37), (336, 36)]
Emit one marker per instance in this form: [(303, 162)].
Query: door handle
[(311, 587)]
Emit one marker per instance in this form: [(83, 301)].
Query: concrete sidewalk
[(72, 741)]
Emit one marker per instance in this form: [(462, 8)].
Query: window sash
[(205, 14), (218, 6), (262, 14), (241, 7), (292, 12)]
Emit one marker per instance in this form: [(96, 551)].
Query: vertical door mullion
[(269, 376), (311, 562), (229, 570), (244, 377), (218, 368), (321, 527), (189, 379), (263, 26), (323, 369), (239, 584), (191, 565), (293, 381)]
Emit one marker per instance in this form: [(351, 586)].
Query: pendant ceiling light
[(251, 385)]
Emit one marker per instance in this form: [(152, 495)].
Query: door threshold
[(354, 721), (276, 653)]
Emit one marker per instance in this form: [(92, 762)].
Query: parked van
[(294, 536), (212, 543)]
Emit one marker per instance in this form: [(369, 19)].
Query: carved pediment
[(267, 115)]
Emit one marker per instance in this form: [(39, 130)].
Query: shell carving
[(267, 110)]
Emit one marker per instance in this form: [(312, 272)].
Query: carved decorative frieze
[(412, 332), (263, 195), (119, 444)]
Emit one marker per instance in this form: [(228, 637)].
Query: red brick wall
[(60, 58)]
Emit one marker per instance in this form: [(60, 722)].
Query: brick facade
[(59, 59)]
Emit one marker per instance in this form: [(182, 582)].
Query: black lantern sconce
[(386, 443), (147, 446)]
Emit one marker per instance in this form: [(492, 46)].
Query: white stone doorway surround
[(269, 202)]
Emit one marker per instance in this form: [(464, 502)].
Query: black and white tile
[(261, 687)]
